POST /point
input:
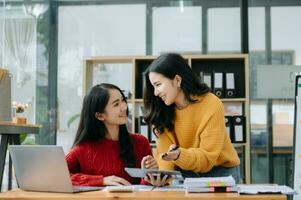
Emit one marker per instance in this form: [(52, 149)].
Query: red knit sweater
[(91, 161)]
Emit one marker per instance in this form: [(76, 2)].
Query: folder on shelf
[(239, 127), (143, 84), (152, 137), (143, 127), (229, 126), (230, 85), (218, 84), (206, 78)]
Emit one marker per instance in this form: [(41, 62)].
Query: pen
[(173, 149), (153, 188)]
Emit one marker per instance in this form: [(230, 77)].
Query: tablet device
[(141, 172)]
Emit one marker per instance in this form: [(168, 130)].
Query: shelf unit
[(230, 63)]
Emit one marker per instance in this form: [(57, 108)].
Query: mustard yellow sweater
[(201, 134)]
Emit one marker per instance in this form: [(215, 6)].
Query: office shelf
[(232, 63)]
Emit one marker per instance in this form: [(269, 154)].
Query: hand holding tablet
[(154, 176), (141, 173)]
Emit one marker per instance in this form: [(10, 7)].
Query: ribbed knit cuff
[(183, 159), (100, 180)]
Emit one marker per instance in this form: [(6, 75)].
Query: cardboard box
[(5, 95), (19, 120)]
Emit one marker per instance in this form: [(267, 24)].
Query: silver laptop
[(43, 168)]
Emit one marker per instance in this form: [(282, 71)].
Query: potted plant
[(18, 110)]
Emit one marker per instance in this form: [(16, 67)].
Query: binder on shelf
[(239, 129), (218, 84), (152, 136), (206, 78), (143, 127), (230, 85), (143, 84), (229, 126)]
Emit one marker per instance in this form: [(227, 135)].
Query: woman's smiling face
[(165, 88)]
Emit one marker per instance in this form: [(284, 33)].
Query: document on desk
[(140, 188), (170, 188), (265, 188), (119, 188)]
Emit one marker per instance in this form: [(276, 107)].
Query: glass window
[(285, 32), (177, 29), (20, 53), (256, 29), (24, 52), (93, 31), (224, 30), (285, 42)]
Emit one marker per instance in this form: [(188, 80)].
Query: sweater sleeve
[(147, 150), (204, 157), (78, 178), (163, 142)]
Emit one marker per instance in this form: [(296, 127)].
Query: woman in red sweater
[(103, 147)]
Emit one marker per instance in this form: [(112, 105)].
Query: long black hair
[(90, 128), (159, 115)]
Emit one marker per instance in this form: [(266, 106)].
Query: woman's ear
[(178, 80), (99, 116)]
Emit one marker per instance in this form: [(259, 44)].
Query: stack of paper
[(265, 188), (210, 184), (119, 188), (139, 188)]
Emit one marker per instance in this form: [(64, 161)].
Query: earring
[(97, 115)]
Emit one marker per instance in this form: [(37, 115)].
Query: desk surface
[(96, 195), (5, 123), (13, 128)]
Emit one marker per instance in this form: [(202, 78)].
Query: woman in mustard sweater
[(188, 121)]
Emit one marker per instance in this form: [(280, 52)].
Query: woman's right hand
[(115, 180)]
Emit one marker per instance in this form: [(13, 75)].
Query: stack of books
[(210, 184)]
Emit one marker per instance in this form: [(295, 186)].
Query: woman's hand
[(148, 162), (115, 180), (172, 154), (157, 179)]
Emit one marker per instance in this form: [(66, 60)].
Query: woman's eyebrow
[(115, 101), (156, 82)]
